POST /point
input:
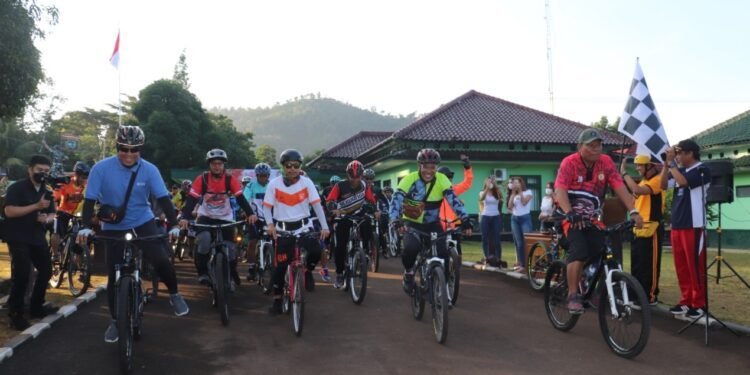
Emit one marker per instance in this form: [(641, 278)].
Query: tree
[(311, 157), (238, 146), (266, 154), (604, 123), (181, 73), (20, 65)]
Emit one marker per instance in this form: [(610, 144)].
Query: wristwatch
[(632, 212)]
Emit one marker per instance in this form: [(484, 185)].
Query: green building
[(731, 140), (503, 139)]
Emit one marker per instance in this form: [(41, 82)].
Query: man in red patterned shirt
[(580, 186)]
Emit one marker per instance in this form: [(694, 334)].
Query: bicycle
[(394, 241), (293, 299), (374, 250), (130, 297), (540, 256), (218, 267), (72, 259), (618, 312), (264, 253), (355, 271), (430, 283)]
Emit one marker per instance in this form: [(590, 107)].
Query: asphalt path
[(498, 327)]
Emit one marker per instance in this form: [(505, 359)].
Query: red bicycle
[(293, 299)]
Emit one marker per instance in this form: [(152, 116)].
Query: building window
[(386, 183), (533, 183), (742, 191)]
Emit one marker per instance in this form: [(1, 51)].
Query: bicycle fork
[(610, 291)]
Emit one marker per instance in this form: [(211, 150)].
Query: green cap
[(589, 135)]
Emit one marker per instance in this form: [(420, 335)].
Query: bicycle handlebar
[(132, 238), (216, 226), (439, 237)]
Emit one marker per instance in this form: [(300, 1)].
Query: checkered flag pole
[(640, 121)]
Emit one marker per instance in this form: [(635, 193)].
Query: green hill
[(310, 123)]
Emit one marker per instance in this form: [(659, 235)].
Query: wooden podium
[(529, 239)]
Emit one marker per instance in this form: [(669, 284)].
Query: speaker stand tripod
[(719, 259), (706, 315)]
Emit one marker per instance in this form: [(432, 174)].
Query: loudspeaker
[(721, 189)]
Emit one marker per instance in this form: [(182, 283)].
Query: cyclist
[(447, 216), (347, 198), (286, 206), (254, 193), (108, 183), (420, 195), (381, 204), (70, 196), (579, 190), (215, 187), (324, 274)]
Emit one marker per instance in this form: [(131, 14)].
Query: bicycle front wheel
[(298, 302), (417, 297), (439, 294), (556, 297), (625, 326), (79, 275), (220, 286), (454, 275), (374, 254), (265, 269), (125, 319), (358, 277), (392, 241), (538, 262), (58, 264)]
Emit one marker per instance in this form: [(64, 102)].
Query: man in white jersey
[(286, 206)]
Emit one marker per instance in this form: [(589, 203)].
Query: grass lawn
[(728, 300)]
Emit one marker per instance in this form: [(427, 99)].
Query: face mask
[(548, 191), (510, 186), (40, 177)]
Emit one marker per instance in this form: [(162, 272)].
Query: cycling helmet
[(446, 171), (262, 169), (387, 189), (216, 154), (81, 168), (186, 184), (368, 174), (354, 169), (290, 155), (130, 135), (644, 159), (246, 180), (334, 179), (428, 156)]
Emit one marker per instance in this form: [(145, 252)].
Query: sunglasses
[(292, 166), (132, 150)]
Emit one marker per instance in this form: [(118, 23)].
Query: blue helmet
[(334, 179), (262, 169)]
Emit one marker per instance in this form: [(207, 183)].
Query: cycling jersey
[(412, 190), (254, 192), (216, 203), (69, 195), (586, 186), (290, 203), (349, 199), (447, 216)]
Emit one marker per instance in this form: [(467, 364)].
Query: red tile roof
[(477, 117)]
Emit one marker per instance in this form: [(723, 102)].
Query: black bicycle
[(72, 259), (264, 253), (375, 245), (130, 297), (355, 271), (218, 267), (430, 282), (624, 315), (541, 256)]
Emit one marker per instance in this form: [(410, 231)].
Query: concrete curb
[(659, 309), (7, 348)]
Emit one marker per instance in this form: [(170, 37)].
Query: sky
[(404, 56)]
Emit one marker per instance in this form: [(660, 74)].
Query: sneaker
[(204, 280), (694, 313), (275, 307), (252, 272), (18, 322), (575, 306), (111, 335), (180, 306), (679, 310), (653, 303), (339, 281), (408, 281), (309, 281), (42, 312), (325, 275)]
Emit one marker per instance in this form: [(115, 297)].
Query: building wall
[(735, 219)]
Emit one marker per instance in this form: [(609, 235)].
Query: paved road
[(498, 327)]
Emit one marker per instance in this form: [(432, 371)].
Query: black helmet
[(355, 169), (428, 156), (262, 169), (290, 155), (369, 174), (446, 171), (81, 168), (216, 154), (130, 135)]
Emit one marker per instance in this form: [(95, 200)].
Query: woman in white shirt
[(519, 203), (547, 207), (490, 204)]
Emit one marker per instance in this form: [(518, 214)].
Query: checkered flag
[(640, 121)]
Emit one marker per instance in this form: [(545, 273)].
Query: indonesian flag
[(115, 58)]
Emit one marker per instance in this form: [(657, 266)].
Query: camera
[(58, 180)]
